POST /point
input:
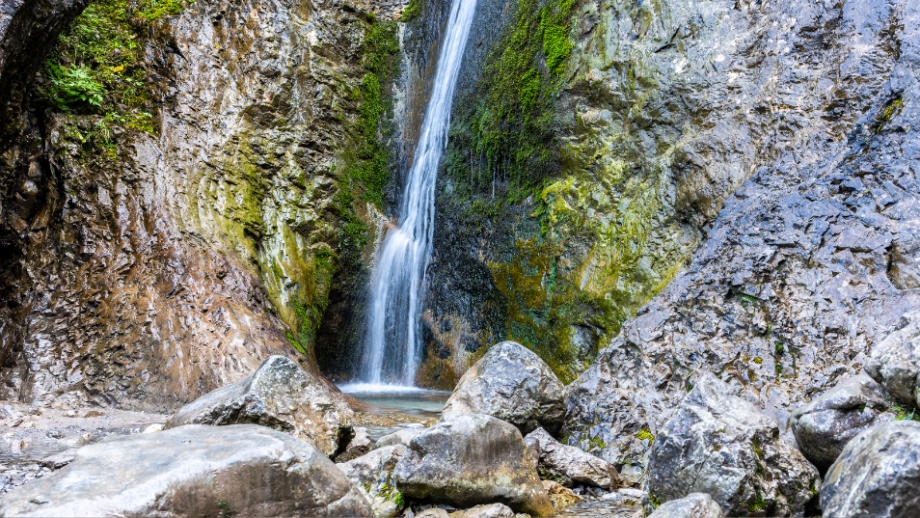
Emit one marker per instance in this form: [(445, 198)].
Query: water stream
[(392, 346)]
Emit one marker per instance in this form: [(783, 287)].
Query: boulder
[(434, 512), (372, 474), (826, 424), (403, 437), (193, 471), (724, 446), (359, 445), (626, 497), (485, 511), (278, 395), (471, 460), (895, 361), (513, 384), (694, 505), (877, 475), (569, 465), (560, 495)]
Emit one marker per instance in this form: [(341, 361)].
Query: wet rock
[(724, 446), (485, 511), (694, 505), (513, 384), (895, 361), (878, 474), (569, 465), (193, 471), (470, 460), (824, 426), (403, 436), (359, 445), (560, 495), (281, 396), (372, 474)]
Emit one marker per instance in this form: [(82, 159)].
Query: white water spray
[(391, 346)]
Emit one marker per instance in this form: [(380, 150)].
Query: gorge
[(595, 257)]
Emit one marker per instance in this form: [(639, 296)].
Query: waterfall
[(392, 346)]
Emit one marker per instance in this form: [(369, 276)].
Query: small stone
[(560, 495), (156, 427), (485, 511)]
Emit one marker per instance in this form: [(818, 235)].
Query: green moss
[(644, 434), (904, 412), (596, 443), (759, 504), (412, 11)]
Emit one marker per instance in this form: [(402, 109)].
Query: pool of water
[(384, 409)]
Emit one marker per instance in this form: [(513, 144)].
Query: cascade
[(392, 345)]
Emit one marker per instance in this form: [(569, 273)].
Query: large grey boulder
[(513, 384), (694, 505), (895, 361), (824, 426), (724, 446), (877, 475), (278, 395), (470, 460), (569, 465), (193, 471), (372, 474)]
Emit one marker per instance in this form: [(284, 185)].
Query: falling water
[(392, 347)]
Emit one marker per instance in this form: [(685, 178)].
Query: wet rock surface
[(513, 384), (471, 460), (694, 505), (193, 471), (278, 395), (722, 445), (878, 474), (810, 263), (372, 474), (568, 465), (823, 427), (895, 361)]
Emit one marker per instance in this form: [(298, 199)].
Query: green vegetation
[(759, 504), (891, 110), (596, 443), (644, 434), (412, 11), (904, 412)]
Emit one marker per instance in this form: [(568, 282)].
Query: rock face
[(560, 495), (812, 261), (278, 395), (470, 460), (372, 474), (193, 471), (359, 445), (724, 446), (878, 474), (824, 426), (513, 384), (568, 465), (694, 505), (895, 361)]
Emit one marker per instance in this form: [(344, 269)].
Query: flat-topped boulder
[(824, 426), (513, 384), (471, 460), (279, 395), (193, 471)]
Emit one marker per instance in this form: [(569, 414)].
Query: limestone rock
[(560, 495), (281, 396), (372, 474), (359, 445), (694, 505), (877, 475), (895, 361), (722, 445), (569, 465), (470, 460), (434, 512), (824, 426), (513, 384), (403, 436), (193, 471), (485, 511)]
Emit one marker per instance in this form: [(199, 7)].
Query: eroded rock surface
[(513, 384), (278, 395), (359, 445), (722, 445), (812, 261), (878, 474), (895, 361), (824, 426), (569, 465), (193, 471), (372, 474), (694, 505), (470, 460)]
